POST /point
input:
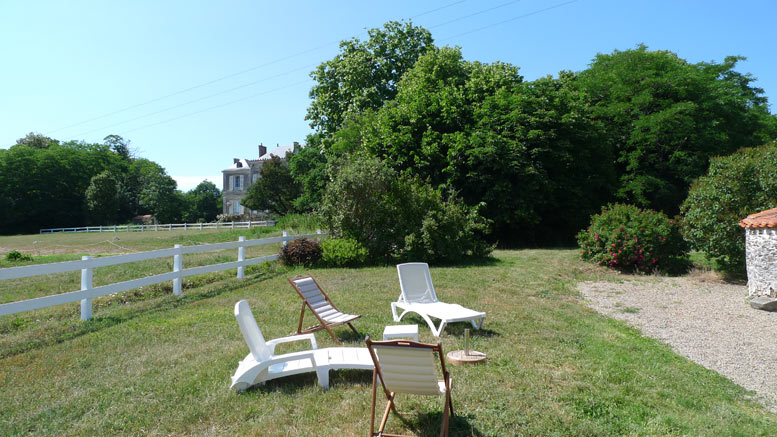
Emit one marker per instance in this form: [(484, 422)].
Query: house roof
[(279, 151), (763, 219), (240, 165)]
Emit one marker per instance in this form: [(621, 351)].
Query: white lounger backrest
[(416, 283), (408, 370), (251, 332)]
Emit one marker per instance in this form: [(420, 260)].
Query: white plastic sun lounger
[(262, 365), (418, 297)]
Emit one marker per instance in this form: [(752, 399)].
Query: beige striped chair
[(408, 367), (321, 306)]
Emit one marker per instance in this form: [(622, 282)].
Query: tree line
[(46, 183), (535, 158)]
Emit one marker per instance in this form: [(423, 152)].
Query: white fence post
[(177, 267), (285, 234), (241, 256), (86, 284)]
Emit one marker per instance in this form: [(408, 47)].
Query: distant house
[(244, 172)]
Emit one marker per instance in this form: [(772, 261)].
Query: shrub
[(734, 187), (15, 255), (342, 252), (300, 251), (450, 231), (397, 217), (627, 238)]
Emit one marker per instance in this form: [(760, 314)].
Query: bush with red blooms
[(627, 238)]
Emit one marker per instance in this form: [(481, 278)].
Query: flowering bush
[(627, 238)]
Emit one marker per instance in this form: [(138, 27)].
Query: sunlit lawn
[(159, 364)]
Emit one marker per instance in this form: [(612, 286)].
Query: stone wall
[(761, 247)]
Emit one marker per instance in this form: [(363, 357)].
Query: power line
[(510, 19), (475, 13), (304, 81), (219, 79), (194, 101), (217, 106)]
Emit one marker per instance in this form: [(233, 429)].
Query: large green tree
[(203, 203), (364, 74), (102, 199), (526, 150), (275, 190), (44, 187), (665, 117), (735, 186)]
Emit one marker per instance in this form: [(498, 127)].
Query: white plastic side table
[(401, 331)]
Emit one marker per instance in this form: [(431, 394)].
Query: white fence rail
[(167, 227), (88, 264)]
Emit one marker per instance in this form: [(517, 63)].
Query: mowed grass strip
[(161, 365)]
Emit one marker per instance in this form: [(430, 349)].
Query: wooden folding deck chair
[(408, 367), (321, 306)]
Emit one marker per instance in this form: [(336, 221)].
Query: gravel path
[(706, 321)]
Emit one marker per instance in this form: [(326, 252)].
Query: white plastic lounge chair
[(262, 365), (418, 296), (321, 306), (408, 367)]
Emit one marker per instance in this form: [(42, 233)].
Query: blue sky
[(193, 83)]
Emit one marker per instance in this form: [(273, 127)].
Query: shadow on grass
[(70, 330), (429, 424), (347, 336), (294, 383), (457, 330)]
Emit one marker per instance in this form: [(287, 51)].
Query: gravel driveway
[(708, 321)]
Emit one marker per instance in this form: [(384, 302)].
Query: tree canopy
[(364, 74), (665, 118), (275, 190), (45, 183)]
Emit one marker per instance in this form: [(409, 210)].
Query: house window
[(236, 208), (254, 177), (237, 182)]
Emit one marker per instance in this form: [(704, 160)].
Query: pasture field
[(152, 363)]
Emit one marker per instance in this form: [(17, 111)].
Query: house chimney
[(295, 149), (262, 150), (235, 160)]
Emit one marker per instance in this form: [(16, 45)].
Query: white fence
[(167, 227), (88, 264)]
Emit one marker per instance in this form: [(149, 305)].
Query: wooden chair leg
[(372, 409), (301, 316), (389, 407), (445, 420), (334, 337), (353, 329)]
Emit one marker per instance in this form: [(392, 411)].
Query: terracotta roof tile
[(763, 219)]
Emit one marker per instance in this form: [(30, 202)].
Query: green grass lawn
[(159, 365)]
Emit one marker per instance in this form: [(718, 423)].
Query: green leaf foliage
[(364, 74), (399, 217), (342, 252), (203, 203), (529, 152), (102, 199), (665, 118), (631, 239), (275, 190), (735, 186)]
